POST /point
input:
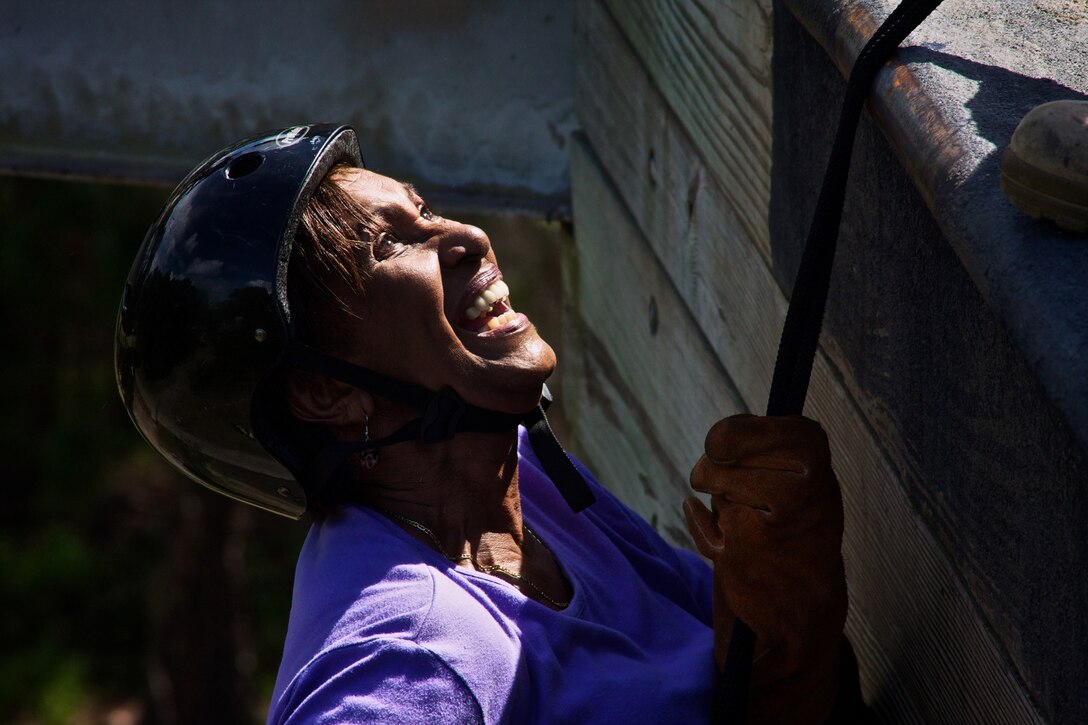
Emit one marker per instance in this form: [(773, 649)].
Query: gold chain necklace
[(485, 568)]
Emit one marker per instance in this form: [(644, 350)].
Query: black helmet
[(204, 321)]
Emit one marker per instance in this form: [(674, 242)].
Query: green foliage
[(64, 250), (89, 510)]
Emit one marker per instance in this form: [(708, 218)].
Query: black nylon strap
[(801, 331), (731, 697), (556, 462), (444, 415), (309, 358)]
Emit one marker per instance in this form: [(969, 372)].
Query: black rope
[(801, 331)]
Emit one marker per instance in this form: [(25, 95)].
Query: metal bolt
[(284, 491), (260, 335)]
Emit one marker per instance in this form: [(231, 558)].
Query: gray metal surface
[(472, 100)]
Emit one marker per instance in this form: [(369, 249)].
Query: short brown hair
[(330, 256)]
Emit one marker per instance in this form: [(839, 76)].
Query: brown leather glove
[(774, 533)]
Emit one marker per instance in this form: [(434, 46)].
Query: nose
[(461, 243)]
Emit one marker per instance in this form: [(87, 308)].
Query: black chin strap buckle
[(443, 417)]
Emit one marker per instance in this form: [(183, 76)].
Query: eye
[(384, 245), (385, 242), (426, 213)]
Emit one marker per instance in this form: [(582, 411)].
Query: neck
[(461, 497), (464, 490)]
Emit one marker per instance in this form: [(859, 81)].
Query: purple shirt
[(384, 629)]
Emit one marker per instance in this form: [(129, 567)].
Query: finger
[(706, 471), (749, 439), (763, 489), (704, 532)]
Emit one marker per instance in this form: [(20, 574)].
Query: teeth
[(500, 320), (494, 292)]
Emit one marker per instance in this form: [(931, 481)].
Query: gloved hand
[(774, 534)]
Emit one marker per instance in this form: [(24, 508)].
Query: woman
[(303, 334)]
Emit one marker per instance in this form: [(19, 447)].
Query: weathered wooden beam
[(986, 455), (647, 387), (926, 656), (673, 197), (926, 653), (948, 105), (712, 61)]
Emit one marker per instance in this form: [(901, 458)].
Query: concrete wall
[(464, 98)]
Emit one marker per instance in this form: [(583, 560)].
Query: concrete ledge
[(469, 101), (948, 104)]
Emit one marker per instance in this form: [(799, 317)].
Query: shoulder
[(354, 575), (379, 679), (370, 602)]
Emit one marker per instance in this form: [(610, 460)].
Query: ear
[(320, 399)]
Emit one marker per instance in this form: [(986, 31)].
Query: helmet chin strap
[(444, 416)]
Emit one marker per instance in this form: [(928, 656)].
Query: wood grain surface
[(927, 654), (712, 61), (647, 386)]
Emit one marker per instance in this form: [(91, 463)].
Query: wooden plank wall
[(674, 317)]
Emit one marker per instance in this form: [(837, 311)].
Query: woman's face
[(436, 311)]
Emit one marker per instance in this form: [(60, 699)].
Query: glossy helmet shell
[(204, 315)]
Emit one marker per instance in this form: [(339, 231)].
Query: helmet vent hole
[(244, 165)]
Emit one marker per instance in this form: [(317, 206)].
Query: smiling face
[(435, 310)]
